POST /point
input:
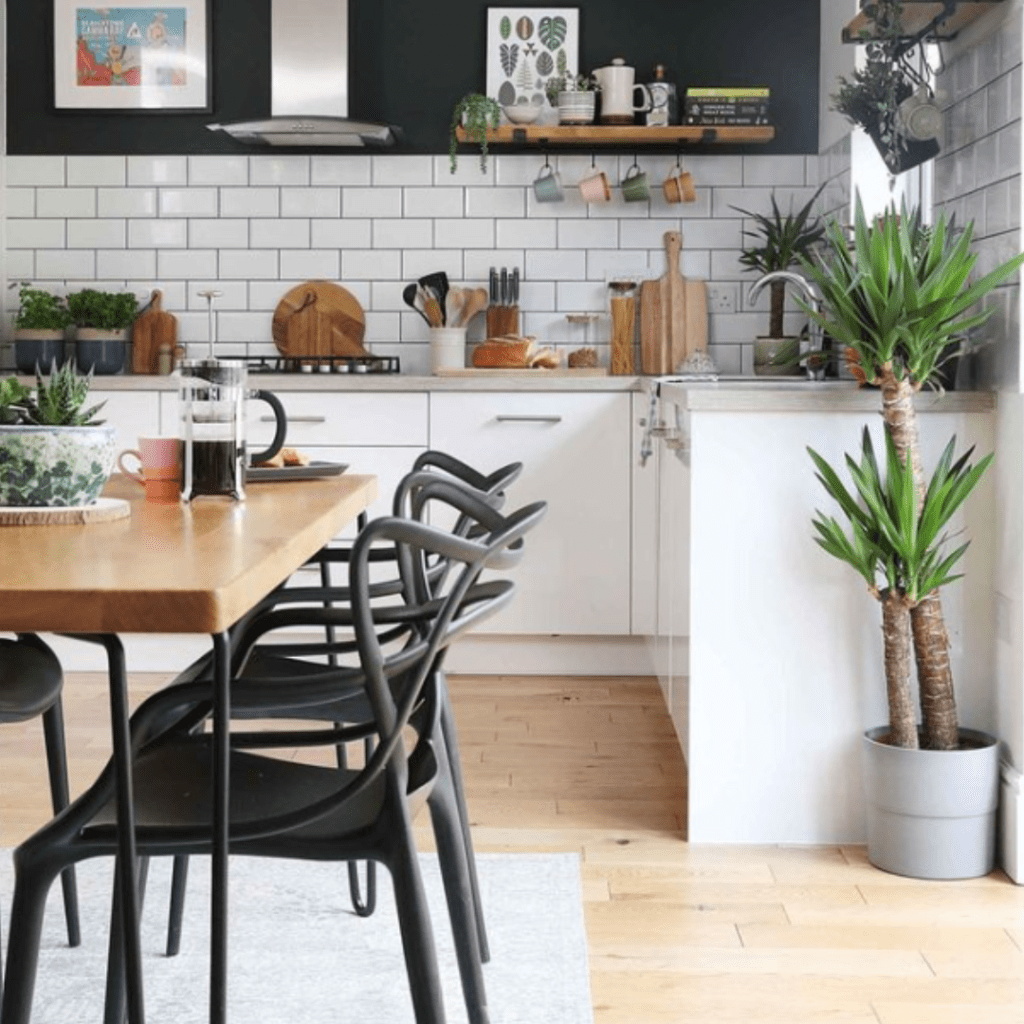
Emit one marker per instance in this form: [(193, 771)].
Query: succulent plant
[(59, 399), (12, 400)]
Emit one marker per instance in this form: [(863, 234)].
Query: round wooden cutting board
[(319, 318), (103, 510)]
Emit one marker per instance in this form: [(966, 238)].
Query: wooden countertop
[(170, 568)]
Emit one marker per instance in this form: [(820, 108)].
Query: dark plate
[(314, 471)]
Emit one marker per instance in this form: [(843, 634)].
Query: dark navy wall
[(411, 61)]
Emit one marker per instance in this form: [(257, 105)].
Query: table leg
[(221, 810)]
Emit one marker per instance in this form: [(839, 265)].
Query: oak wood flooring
[(678, 934)]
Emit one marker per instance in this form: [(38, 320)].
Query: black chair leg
[(57, 764), (32, 884), (458, 892), (363, 908), (451, 742), (417, 936), (179, 881), (115, 1001)]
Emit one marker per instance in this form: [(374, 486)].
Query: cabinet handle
[(528, 419), (296, 419)]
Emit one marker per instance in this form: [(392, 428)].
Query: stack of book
[(726, 105)]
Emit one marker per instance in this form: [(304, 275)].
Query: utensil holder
[(447, 348)]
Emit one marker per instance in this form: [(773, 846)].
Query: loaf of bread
[(285, 457), (508, 352)]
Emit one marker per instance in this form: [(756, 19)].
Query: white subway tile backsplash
[(126, 265), (498, 201), (587, 234), (187, 202), (126, 202), (371, 264), (514, 170), (251, 264), (157, 234), (63, 263), (66, 202), (612, 264), (350, 233), (726, 266), (339, 170), (310, 202), (96, 234), (371, 202), (218, 233), (403, 170), (20, 264), (218, 170), (382, 327), (35, 233), (571, 206), (580, 297), (243, 326), (387, 295), (986, 168), (479, 261), (402, 234), (182, 264), (97, 170), (35, 170), (157, 170), (537, 294), (645, 234), (20, 202), (773, 170), (234, 295), (417, 262), (557, 265), (279, 233), (467, 171), (250, 202), (279, 170), (311, 263), (436, 201), (525, 233), (464, 234)]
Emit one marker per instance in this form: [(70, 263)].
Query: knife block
[(502, 320)]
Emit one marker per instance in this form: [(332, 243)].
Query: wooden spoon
[(476, 302), (453, 303)]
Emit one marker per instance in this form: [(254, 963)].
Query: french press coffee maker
[(212, 395)]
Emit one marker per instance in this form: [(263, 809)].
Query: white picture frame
[(526, 46), (140, 56)]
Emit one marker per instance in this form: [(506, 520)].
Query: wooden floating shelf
[(623, 135), (918, 15)]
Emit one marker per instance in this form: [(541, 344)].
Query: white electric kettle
[(617, 93)]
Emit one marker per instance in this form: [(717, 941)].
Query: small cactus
[(58, 400)]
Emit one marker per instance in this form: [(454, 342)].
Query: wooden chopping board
[(673, 315), (152, 328), (319, 318)]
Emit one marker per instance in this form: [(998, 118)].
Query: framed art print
[(146, 57), (527, 46)]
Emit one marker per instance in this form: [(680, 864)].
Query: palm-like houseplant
[(782, 241), (899, 296)]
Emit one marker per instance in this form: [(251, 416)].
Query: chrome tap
[(811, 296)]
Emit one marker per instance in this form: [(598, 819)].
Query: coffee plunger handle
[(279, 430)]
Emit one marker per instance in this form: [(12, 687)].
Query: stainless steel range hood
[(309, 82)]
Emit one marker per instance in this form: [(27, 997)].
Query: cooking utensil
[(432, 309), (476, 302), (453, 305), (153, 329), (438, 285), (319, 318), (410, 294)]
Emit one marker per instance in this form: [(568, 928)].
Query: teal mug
[(547, 186)]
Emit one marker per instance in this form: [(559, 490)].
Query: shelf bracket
[(708, 135), (930, 30), (519, 136)]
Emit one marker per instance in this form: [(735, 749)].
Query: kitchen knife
[(504, 286), (493, 290), (513, 299)]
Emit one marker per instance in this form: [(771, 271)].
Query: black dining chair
[(283, 808), (31, 681)]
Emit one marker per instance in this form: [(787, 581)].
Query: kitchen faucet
[(811, 296)]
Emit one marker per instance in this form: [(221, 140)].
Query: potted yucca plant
[(899, 296), (53, 449), (782, 240)]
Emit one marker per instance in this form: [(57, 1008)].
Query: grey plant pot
[(932, 813), (54, 466), (37, 347), (102, 352)]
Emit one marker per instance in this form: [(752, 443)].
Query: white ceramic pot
[(576, 107), (54, 466)]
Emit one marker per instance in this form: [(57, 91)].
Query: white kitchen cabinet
[(644, 575), (575, 447)]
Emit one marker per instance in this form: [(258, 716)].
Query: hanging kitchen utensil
[(154, 329), (319, 318)]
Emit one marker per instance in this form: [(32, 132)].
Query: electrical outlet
[(722, 298)]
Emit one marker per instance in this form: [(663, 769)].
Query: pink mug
[(595, 188), (159, 470)]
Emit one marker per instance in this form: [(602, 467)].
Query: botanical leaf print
[(505, 28), (561, 62), (552, 31), (545, 65), (525, 77), (507, 94), (509, 57), (524, 28)]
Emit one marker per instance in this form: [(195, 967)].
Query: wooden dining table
[(170, 568)]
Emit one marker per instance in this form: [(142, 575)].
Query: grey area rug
[(298, 953)]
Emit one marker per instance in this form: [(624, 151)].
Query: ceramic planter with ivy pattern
[(54, 466)]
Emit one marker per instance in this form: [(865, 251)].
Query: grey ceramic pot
[(38, 349), (54, 466), (101, 352), (932, 813)]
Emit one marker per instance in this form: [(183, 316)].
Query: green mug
[(635, 187)]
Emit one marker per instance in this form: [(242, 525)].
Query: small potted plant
[(102, 322), (574, 97), (873, 95), (53, 450), (781, 243), (39, 328), (476, 114)]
